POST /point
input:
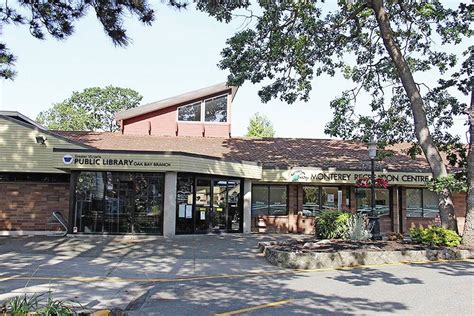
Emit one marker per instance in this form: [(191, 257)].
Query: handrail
[(60, 218)]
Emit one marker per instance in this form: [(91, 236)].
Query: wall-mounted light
[(41, 140)]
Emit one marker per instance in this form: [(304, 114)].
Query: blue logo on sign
[(68, 159)]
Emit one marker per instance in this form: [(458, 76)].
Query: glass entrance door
[(219, 205), (202, 210), (216, 205)]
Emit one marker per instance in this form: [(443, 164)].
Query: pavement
[(220, 275)]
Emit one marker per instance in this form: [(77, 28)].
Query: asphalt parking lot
[(220, 274)]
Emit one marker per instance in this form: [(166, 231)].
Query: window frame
[(268, 186), (203, 109), (422, 202)]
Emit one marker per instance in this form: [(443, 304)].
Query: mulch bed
[(315, 245)]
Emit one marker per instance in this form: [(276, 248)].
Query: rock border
[(341, 259)]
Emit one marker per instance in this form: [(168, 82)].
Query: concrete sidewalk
[(103, 271)]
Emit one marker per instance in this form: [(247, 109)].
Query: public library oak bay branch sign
[(98, 160), (350, 177)]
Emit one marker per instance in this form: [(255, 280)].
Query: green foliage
[(22, 305), (289, 43), (57, 18), (357, 227), (90, 110), (435, 236), (260, 126), (331, 224), (451, 182)]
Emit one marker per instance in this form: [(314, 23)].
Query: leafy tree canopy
[(260, 126), (290, 43), (90, 110), (58, 17)]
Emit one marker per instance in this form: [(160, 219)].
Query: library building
[(174, 168)]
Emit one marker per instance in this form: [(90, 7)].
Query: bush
[(331, 224), (435, 236), (358, 227)]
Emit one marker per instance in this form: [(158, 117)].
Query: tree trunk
[(468, 235), (423, 135)]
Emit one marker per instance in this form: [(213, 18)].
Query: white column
[(169, 216), (247, 206)]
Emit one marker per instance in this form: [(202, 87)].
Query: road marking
[(254, 308), (211, 277)]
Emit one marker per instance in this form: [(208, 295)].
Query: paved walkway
[(205, 275)]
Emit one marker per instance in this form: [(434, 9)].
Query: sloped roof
[(179, 99), (270, 152)]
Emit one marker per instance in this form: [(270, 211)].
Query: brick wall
[(28, 206)]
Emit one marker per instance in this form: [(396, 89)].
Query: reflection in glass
[(329, 197), (414, 203), (278, 200), (259, 200), (310, 201), (422, 203), (430, 204), (216, 109), (190, 112), (364, 201), (119, 202)]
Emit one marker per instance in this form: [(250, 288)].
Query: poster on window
[(182, 210), (189, 211), (330, 198), (203, 215)]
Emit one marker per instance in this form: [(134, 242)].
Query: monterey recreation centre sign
[(315, 175)]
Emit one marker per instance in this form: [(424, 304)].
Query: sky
[(179, 53)]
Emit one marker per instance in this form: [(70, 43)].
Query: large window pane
[(259, 200), (382, 198), (216, 109), (364, 201), (329, 197), (119, 202), (278, 200), (89, 202), (310, 201), (430, 204), (414, 207), (190, 112)]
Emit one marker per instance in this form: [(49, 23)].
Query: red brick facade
[(27, 206)]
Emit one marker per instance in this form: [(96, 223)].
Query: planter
[(324, 260)]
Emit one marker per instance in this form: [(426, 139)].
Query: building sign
[(312, 175), (98, 160)]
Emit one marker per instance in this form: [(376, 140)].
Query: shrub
[(357, 227), (435, 236), (331, 224)]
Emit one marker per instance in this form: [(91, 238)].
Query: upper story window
[(190, 113), (216, 109)]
